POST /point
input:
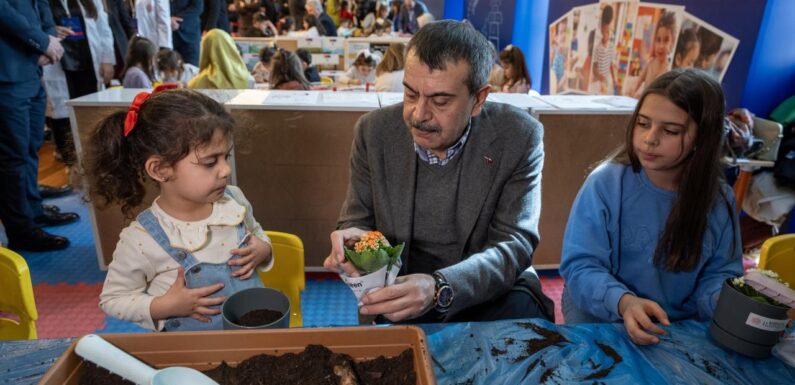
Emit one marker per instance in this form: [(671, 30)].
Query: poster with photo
[(560, 32), (610, 20), (655, 30), (584, 23), (701, 45)]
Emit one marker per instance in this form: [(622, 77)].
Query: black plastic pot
[(257, 298), (745, 325)]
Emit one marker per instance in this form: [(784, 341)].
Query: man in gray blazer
[(455, 178)]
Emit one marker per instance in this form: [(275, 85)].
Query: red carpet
[(67, 310)]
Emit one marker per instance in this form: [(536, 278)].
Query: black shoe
[(52, 192), (51, 209), (38, 240), (55, 219)]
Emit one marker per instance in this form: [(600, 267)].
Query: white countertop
[(305, 100), (122, 97), (367, 101)]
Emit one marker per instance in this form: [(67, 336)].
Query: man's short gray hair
[(448, 41), (316, 4)]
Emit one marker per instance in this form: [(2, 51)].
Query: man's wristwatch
[(443, 297)]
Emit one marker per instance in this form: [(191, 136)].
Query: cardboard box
[(205, 350)]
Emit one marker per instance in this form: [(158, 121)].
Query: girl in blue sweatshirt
[(653, 232)]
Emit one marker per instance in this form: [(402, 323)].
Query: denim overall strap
[(152, 226)]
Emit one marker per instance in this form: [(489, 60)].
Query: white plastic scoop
[(95, 349)]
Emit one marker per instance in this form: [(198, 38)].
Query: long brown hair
[(513, 56), (140, 52), (287, 67), (699, 190), (170, 125), (394, 59)]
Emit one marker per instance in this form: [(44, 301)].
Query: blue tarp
[(538, 352)]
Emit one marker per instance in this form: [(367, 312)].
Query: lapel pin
[(488, 160)]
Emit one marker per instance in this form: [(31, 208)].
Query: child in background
[(311, 73), (172, 69), (139, 68), (262, 70), (361, 71), (663, 42), (346, 29), (389, 72), (287, 72), (181, 140), (261, 26), (653, 233), (517, 78), (604, 62), (346, 13), (687, 49)]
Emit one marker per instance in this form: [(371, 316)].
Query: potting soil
[(315, 365), (259, 317)]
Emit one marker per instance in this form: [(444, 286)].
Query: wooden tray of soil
[(207, 351)]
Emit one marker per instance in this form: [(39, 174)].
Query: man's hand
[(409, 297), (636, 312), (336, 260), (106, 71), (252, 255), (54, 49), (175, 21), (180, 301)]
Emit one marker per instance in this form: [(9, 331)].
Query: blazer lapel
[(480, 164), (400, 174)]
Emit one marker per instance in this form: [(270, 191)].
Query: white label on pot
[(366, 283), (763, 323)]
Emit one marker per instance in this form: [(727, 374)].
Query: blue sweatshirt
[(610, 239)]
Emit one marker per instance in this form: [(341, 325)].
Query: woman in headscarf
[(220, 64)]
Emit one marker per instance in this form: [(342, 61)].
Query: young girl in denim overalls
[(199, 242)]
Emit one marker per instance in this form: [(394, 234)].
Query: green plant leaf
[(367, 261)]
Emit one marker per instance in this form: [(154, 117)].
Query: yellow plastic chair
[(16, 297), (287, 273), (778, 255)]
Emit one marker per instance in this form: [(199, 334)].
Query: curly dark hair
[(170, 125)]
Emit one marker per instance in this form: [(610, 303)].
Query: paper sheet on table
[(390, 98), (522, 101), (292, 98), (249, 98), (351, 99)]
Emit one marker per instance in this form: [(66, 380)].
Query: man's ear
[(480, 99), (157, 169)]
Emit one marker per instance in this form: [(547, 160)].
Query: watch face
[(445, 297)]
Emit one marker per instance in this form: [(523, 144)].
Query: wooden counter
[(292, 151)]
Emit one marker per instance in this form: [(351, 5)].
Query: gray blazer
[(497, 212)]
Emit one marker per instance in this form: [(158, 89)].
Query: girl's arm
[(263, 248), (725, 257), (124, 294), (588, 244)]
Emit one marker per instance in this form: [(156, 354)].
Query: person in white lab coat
[(154, 21)]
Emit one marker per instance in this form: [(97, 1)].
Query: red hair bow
[(132, 112)]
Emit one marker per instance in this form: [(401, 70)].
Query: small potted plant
[(752, 313), (377, 262)]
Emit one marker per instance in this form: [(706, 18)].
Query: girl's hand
[(180, 301), (251, 256), (636, 312)]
